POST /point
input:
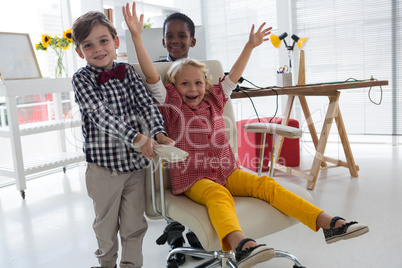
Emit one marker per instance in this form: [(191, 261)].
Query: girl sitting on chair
[(210, 175)]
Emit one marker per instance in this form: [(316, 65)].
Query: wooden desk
[(333, 91)]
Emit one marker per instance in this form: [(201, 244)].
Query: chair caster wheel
[(172, 264)]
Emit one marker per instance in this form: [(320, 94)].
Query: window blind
[(354, 39), (227, 25)]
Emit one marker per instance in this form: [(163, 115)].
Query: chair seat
[(282, 130), (249, 145), (252, 213)]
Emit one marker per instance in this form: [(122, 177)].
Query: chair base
[(220, 258)]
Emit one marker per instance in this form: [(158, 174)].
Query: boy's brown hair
[(83, 25)]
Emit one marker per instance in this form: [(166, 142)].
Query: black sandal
[(251, 256), (348, 230)]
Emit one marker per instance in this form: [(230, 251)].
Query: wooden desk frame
[(333, 91)]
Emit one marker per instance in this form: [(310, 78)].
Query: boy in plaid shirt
[(115, 106)]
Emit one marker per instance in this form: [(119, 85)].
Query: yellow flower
[(66, 47), (68, 35), (58, 45), (46, 39), (58, 42)]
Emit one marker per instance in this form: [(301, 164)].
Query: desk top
[(324, 89)]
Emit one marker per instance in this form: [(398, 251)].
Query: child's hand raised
[(255, 39), (258, 37), (134, 25)]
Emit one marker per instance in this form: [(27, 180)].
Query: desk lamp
[(276, 41), (301, 42)]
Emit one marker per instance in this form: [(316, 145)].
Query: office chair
[(257, 218)]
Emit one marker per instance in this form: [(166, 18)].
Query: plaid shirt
[(113, 114), (200, 131)]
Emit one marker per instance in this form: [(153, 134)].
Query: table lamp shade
[(301, 42), (275, 41)]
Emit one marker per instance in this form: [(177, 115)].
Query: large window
[(227, 25), (355, 39), (35, 18)]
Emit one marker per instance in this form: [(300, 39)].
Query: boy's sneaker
[(251, 256), (346, 231)]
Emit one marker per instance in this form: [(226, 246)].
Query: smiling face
[(99, 47), (190, 83), (177, 39)]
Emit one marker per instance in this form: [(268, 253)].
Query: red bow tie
[(119, 72)]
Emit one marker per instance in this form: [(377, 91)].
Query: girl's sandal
[(349, 230), (251, 256)]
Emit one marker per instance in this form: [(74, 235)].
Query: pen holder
[(284, 79)]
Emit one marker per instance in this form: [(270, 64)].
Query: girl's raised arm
[(254, 40), (136, 26)]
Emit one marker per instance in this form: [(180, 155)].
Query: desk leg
[(310, 123), (326, 128), (353, 168)]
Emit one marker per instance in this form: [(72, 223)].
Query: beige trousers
[(119, 204)]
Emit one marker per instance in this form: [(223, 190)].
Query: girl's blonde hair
[(179, 65)]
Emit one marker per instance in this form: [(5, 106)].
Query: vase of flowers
[(59, 45)]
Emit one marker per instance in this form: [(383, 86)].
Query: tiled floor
[(52, 226)]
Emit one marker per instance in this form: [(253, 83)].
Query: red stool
[(249, 146)]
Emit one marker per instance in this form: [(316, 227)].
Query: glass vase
[(60, 70)]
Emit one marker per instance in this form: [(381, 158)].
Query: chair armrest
[(283, 130), (169, 154)]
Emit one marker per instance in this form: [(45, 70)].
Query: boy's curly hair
[(177, 67), (182, 17)]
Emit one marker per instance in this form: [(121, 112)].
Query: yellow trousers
[(220, 204)]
